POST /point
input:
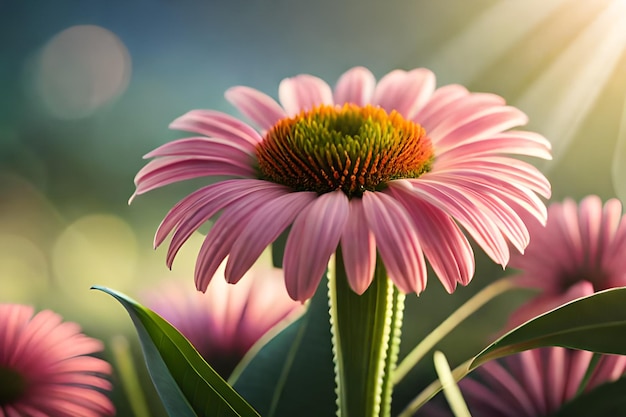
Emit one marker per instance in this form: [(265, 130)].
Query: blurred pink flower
[(580, 251), (223, 323), (45, 369), (387, 167), (536, 382)]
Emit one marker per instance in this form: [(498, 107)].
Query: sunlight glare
[(559, 100), (476, 48)]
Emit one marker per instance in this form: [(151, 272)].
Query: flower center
[(12, 385), (351, 148)]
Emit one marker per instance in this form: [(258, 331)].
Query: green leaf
[(605, 400), (596, 323), (293, 373), (186, 384)]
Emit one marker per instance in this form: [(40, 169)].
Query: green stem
[(451, 390), (433, 389), (593, 363), (126, 371), (477, 301), (365, 341)]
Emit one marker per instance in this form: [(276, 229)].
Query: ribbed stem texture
[(365, 341)]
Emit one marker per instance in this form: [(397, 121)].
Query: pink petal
[(358, 248), (522, 200), (397, 241), (405, 92), (590, 222), (443, 243), (207, 148), (303, 92), (214, 199), (441, 99), (474, 123), (608, 369), (457, 204), (611, 216), (507, 387), (164, 171), (613, 259), (355, 86), (554, 374), (515, 142), (578, 364), (498, 169), (264, 227), (313, 238), (216, 124), (258, 106), (457, 107), (530, 370), (199, 198), (219, 240), (483, 400), (494, 202)]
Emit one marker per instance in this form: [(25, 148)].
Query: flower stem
[(126, 370), (366, 330), (450, 388)]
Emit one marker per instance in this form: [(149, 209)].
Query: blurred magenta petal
[(535, 383), (315, 169), (224, 322), (580, 251), (49, 368)]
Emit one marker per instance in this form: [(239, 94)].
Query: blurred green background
[(88, 87)]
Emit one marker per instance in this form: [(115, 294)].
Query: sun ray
[(476, 48), (559, 100), (618, 166)]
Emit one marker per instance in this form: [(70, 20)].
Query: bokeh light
[(96, 249), (24, 270), (81, 69)]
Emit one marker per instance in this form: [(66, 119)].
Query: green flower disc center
[(350, 148), (12, 385)]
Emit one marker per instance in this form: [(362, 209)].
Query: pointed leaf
[(187, 385), (596, 323), (293, 373)]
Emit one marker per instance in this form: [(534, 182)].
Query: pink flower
[(580, 251), (45, 369), (390, 167), (224, 323), (536, 382)]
